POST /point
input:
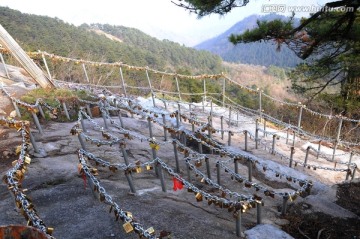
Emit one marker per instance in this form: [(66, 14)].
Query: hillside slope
[(55, 36)]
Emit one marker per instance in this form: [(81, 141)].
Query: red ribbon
[(81, 171), (177, 184)]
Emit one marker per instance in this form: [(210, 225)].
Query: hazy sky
[(159, 18)]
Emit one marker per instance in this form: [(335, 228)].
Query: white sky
[(159, 18)]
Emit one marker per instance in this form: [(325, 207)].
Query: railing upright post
[(222, 126), (16, 108), (260, 103), (256, 133), (151, 89), (223, 92), (85, 72), (46, 66), (6, 70), (292, 151), (337, 137), (165, 130), (349, 171), (178, 87), (122, 82), (246, 140), (300, 117), (229, 116)]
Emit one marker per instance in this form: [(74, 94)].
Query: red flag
[(177, 184), (82, 173)]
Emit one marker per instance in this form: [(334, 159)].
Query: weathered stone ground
[(63, 202)]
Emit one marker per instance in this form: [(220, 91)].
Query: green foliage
[(337, 102), (260, 53), (333, 71), (276, 72), (49, 95), (205, 7), (330, 43), (55, 36), (329, 40), (265, 30), (52, 97), (193, 86), (256, 53), (164, 53)]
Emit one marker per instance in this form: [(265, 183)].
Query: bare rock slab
[(266, 231)]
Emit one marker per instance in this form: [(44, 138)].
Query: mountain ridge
[(34, 32), (257, 53)]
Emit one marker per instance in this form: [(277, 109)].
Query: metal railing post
[(306, 155), (273, 144), (299, 117), (284, 205), (161, 176), (33, 142), (292, 151), (86, 75), (6, 70), (41, 112), (246, 140), (250, 170), (178, 88), (151, 89), (260, 104), (176, 157), (208, 167), (46, 66), (229, 138), (350, 159), (16, 108), (123, 82), (88, 110), (82, 123), (236, 165), (36, 121), (129, 179), (337, 138), (287, 136), (258, 213), (223, 93), (265, 128), (218, 172), (229, 116), (165, 130), (65, 110), (222, 127), (238, 223), (256, 133), (318, 152), (81, 141), (121, 120)]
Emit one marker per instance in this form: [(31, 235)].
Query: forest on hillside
[(55, 36)]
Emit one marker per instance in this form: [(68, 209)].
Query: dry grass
[(250, 75)]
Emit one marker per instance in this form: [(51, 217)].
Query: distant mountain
[(107, 43), (258, 53)]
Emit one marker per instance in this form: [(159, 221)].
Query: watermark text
[(274, 8)]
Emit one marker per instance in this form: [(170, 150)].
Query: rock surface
[(66, 202)]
